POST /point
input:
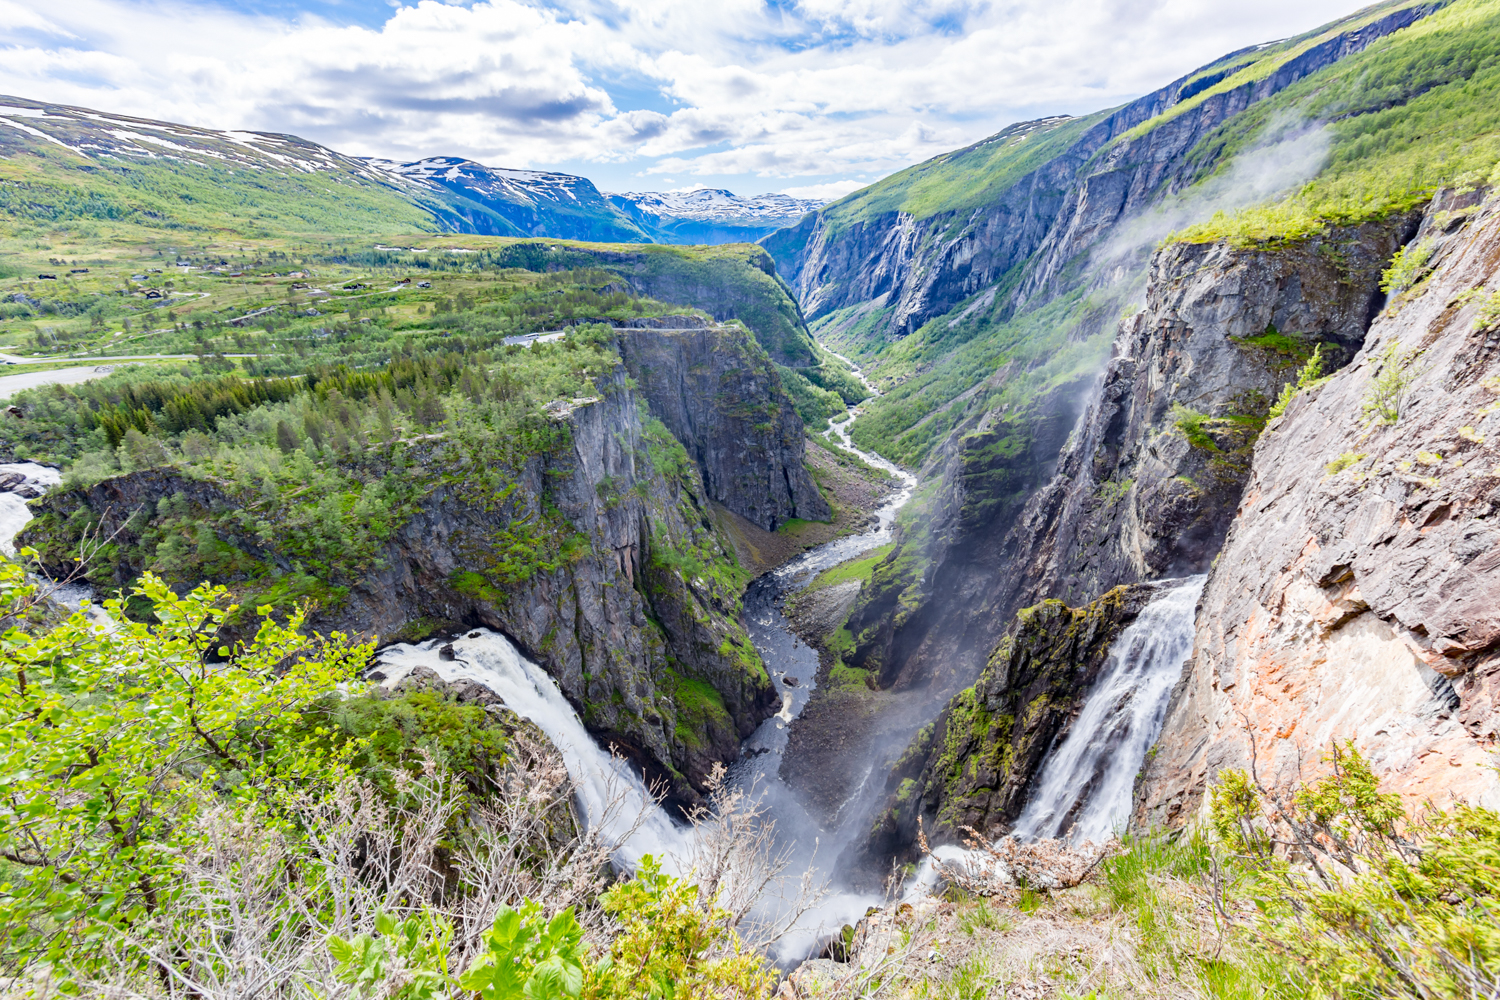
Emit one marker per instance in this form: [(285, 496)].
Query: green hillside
[(960, 181), (1414, 112), (43, 190)]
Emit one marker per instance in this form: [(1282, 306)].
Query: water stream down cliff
[(1085, 789), (611, 794)]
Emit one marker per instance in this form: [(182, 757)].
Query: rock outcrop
[(971, 767), (601, 561), (1134, 479), (722, 398), (1358, 593), (1046, 217), (1149, 484)]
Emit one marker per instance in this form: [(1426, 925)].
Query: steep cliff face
[(1151, 480), (1036, 216), (599, 558), (970, 768), (1156, 456), (1358, 593), (720, 396), (928, 618)]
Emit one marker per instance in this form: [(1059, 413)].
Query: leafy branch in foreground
[(114, 740), (1362, 899)]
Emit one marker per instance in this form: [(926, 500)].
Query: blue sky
[(812, 97)]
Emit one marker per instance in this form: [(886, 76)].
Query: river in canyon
[(611, 795)]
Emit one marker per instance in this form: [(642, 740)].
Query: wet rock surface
[(1134, 479), (1150, 484), (816, 614), (973, 765), (1358, 594)]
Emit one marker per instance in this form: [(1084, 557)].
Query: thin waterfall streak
[(1087, 781)]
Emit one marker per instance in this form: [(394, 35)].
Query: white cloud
[(815, 88), (831, 191)]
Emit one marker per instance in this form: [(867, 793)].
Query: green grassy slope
[(134, 177), (42, 189), (1414, 112), (1417, 110), (729, 281), (1252, 65), (964, 179)]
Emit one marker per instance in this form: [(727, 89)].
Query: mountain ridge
[(437, 193)]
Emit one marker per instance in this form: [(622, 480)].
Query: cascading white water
[(1086, 783), (14, 514), (489, 658), (609, 793)]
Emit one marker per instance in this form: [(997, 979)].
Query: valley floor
[(853, 490)]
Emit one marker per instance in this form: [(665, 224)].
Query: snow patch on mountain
[(719, 205)]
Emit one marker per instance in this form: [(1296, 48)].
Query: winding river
[(612, 796)]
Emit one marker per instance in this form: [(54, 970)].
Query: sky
[(814, 98)]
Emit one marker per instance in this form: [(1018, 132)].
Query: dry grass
[(1140, 923)]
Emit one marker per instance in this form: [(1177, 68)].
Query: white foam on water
[(609, 794), (14, 514), (13, 517), (1086, 783)]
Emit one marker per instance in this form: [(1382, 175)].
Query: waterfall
[(1087, 781), (23, 481), (609, 793)]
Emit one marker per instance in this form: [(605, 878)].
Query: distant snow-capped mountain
[(711, 215), (509, 202), (458, 194)]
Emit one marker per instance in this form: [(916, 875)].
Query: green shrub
[(1191, 424), (528, 957), (1395, 373), (672, 944), (1406, 268), (1489, 313), (1344, 461), (1356, 897), (405, 730), (1309, 377), (415, 949), (112, 740)]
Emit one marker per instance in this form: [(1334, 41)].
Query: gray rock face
[(971, 767), (637, 639), (718, 393), (1046, 219), (1153, 465), (1358, 593), (1146, 489), (929, 617)]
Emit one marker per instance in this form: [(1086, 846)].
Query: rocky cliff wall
[(599, 559), (1134, 478), (1154, 472), (971, 767), (1047, 219), (717, 392), (1358, 593)]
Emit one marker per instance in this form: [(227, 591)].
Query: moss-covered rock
[(972, 765)]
